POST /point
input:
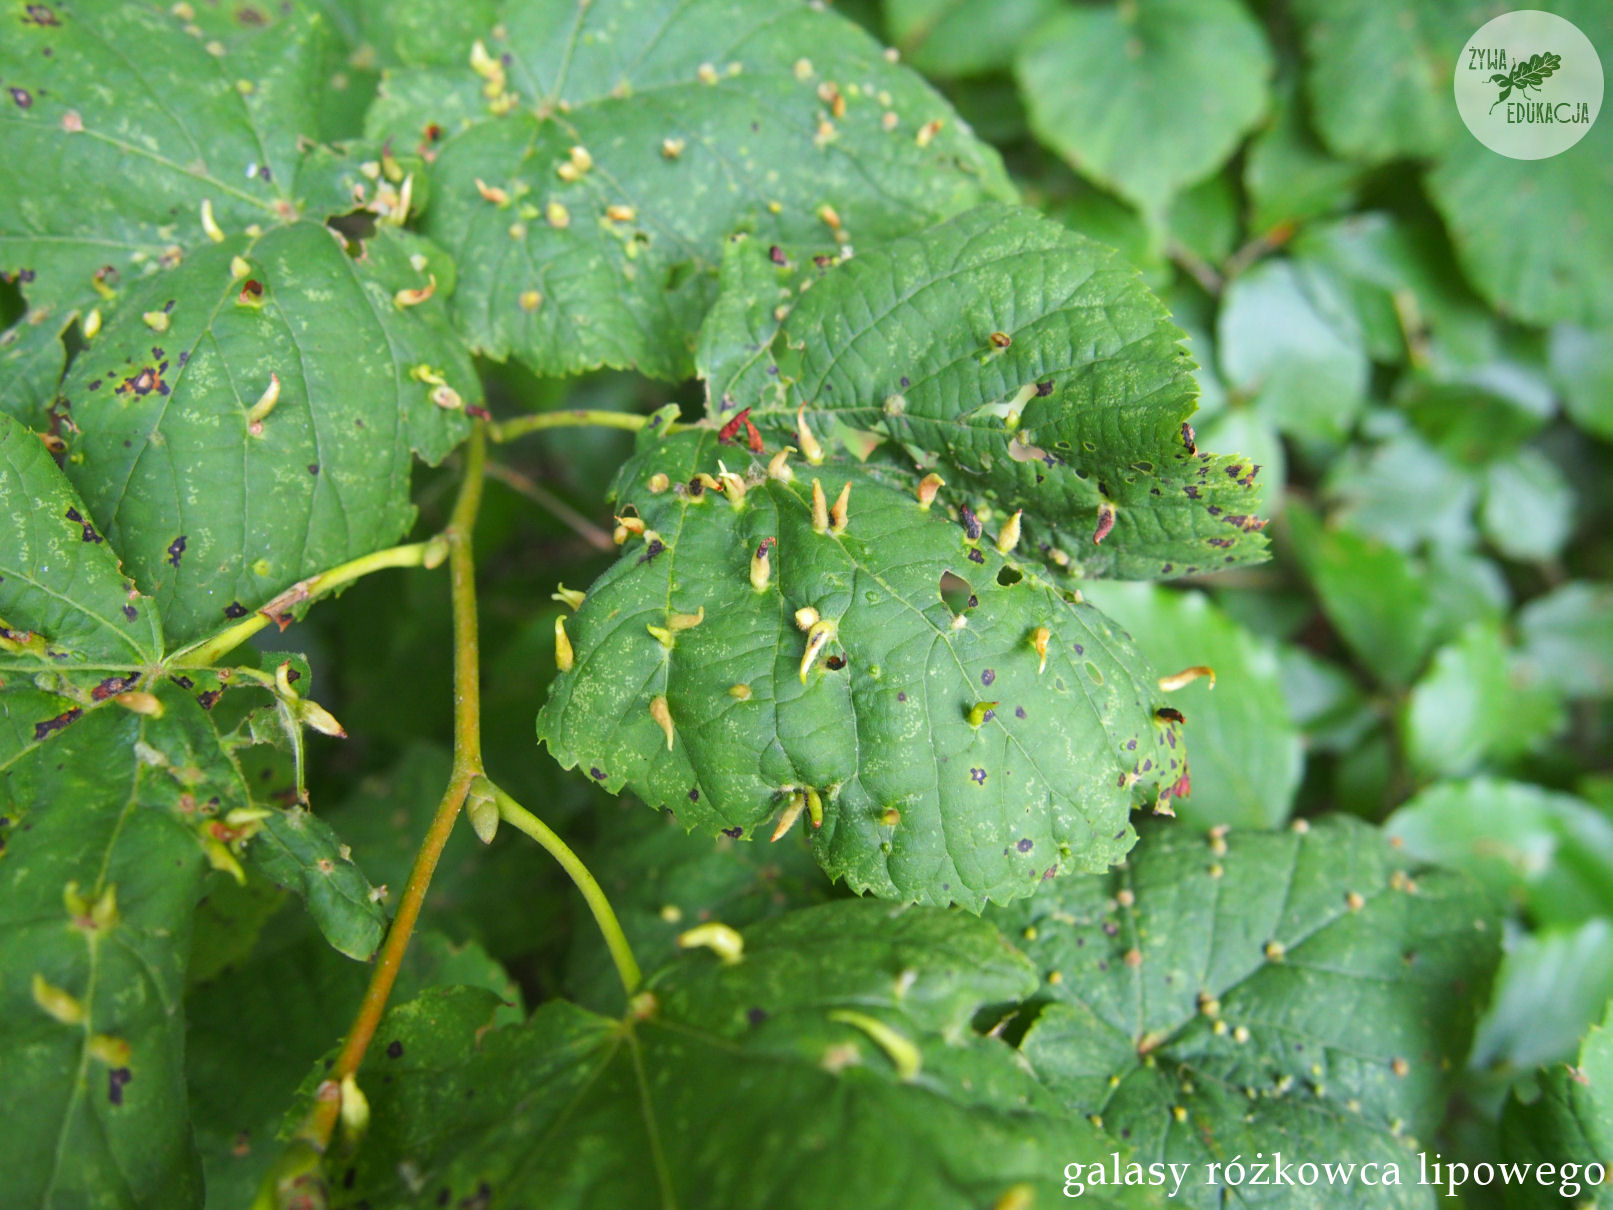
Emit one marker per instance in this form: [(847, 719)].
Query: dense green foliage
[(932, 394)]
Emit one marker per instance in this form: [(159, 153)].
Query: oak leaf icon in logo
[(1525, 74)]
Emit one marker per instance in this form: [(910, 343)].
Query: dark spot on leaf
[(1019, 712), (208, 698), (65, 718), (1189, 438), (115, 1080), (1169, 714), (22, 97), (313, 468), (176, 550), (130, 612), (1025, 844), (40, 14), (235, 610), (597, 773), (976, 775), (1192, 492), (1110, 928), (1131, 745), (901, 696), (733, 833), (694, 795), (1222, 542), (776, 255), (988, 676), (394, 1050), (1045, 388), (835, 663), (1234, 470), (655, 547), (971, 523), (976, 557), (756, 1015), (112, 685), (905, 382)]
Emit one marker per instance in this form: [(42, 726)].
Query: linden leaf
[(1248, 992), (949, 764), (591, 159), (1032, 369), (837, 1045)]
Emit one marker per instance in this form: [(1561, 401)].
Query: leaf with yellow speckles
[(104, 859), (1309, 991), (867, 690), (694, 120), (130, 125), (201, 495), (786, 1060), (1035, 371)]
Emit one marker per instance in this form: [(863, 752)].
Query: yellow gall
[(671, 149), (927, 132), (707, 74), (621, 214), (530, 300), (563, 655), (558, 216)]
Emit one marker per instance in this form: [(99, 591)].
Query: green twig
[(621, 953), (321, 1122), (519, 426), (206, 652)]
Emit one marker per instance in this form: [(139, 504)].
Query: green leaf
[(104, 860), (1146, 97), (1407, 291), (661, 881), (1374, 595), (1404, 493), (59, 579), (1303, 991), (695, 122), (31, 361), (951, 768), (1289, 176), (1477, 704), (759, 284), (212, 518), (126, 147), (1549, 853), (1569, 1122), (949, 38), (1379, 78), (577, 1110), (1567, 639), (1082, 415), (1508, 218), (301, 852), (1288, 340), (1528, 510), (1326, 702), (1582, 368), (1246, 750), (1553, 985)]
